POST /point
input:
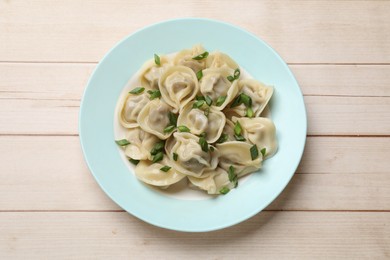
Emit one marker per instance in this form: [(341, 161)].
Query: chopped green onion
[(263, 151), (158, 147), (236, 102), (183, 128), (199, 98), (158, 157), (175, 156), (203, 135), (198, 104), (154, 94), (249, 112), (201, 56), (208, 100), (224, 190), (122, 142), (237, 73), (207, 111), (133, 161), (220, 101), (157, 59), (169, 129), (237, 128), (233, 176), (240, 138), (211, 148), (254, 152), (203, 144), (165, 168), (172, 118), (230, 78), (223, 138), (137, 91), (247, 100), (235, 76), (199, 74)]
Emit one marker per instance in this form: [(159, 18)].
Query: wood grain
[(114, 235), (67, 81), (301, 31), (49, 173), (326, 116)]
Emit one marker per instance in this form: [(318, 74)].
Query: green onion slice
[(237, 128), (137, 91), (220, 101), (254, 152), (133, 161), (157, 59), (199, 75), (122, 142), (183, 128), (165, 168), (201, 56), (224, 190), (169, 129), (198, 104), (158, 157)]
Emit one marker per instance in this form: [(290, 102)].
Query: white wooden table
[(337, 204)]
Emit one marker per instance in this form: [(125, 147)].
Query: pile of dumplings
[(192, 116)]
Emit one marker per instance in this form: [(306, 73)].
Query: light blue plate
[(108, 168)]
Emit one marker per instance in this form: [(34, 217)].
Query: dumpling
[(227, 132), (185, 58), (141, 143), (257, 91), (260, 131), (131, 106), (238, 155), (191, 159), (178, 86), (216, 180), (154, 118), (218, 59), (215, 84), (198, 121), (151, 72), (152, 174)]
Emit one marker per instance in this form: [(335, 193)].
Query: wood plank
[(35, 174), (67, 81), (348, 115), (301, 31), (326, 116), (284, 235), (347, 80)]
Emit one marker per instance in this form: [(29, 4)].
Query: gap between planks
[(288, 63), (121, 211)]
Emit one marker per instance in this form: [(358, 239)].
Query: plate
[(96, 125)]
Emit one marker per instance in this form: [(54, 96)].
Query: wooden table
[(337, 204)]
